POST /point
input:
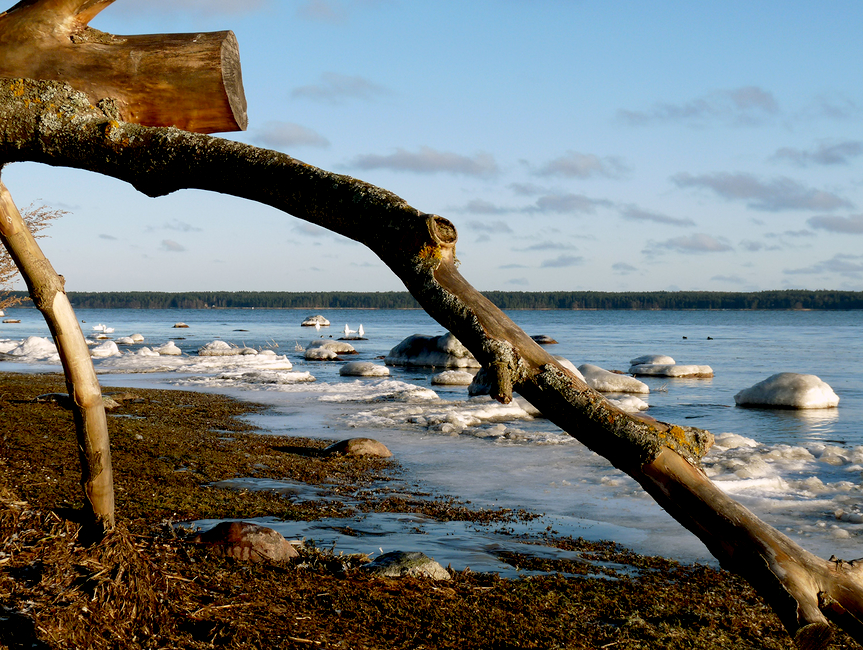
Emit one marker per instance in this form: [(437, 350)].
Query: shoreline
[(170, 446)]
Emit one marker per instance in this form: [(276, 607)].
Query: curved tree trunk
[(805, 590), (46, 289)]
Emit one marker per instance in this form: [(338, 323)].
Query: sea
[(800, 471)]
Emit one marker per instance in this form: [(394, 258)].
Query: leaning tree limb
[(46, 290), (53, 124)]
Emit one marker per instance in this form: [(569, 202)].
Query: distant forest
[(679, 300)]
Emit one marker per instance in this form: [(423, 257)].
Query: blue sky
[(576, 145)]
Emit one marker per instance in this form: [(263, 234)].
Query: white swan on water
[(360, 332), (349, 331)]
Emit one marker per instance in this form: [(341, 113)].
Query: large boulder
[(652, 358), (453, 378), (444, 351), (605, 381), (170, 349), (789, 390), (317, 319), (106, 349), (339, 347), (246, 541)]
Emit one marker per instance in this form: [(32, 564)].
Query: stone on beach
[(606, 381), (789, 390), (363, 369), (358, 447), (401, 563), (453, 378), (444, 351), (246, 541)]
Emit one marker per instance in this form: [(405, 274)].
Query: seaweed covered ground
[(147, 586)]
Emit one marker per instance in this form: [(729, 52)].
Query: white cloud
[(581, 165), (845, 265), (741, 106), (697, 243), (284, 135), (562, 261), (566, 203), (637, 214), (852, 225), (623, 267), (430, 161), (491, 227), (836, 153), (772, 196), (172, 247), (334, 88)]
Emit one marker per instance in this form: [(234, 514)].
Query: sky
[(575, 144)]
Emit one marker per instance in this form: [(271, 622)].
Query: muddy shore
[(148, 586)]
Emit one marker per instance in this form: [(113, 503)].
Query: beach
[(147, 585)]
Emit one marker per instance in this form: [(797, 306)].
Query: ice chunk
[(610, 382), (363, 369), (652, 358), (444, 351), (789, 390), (223, 349), (670, 370), (339, 347), (630, 404), (106, 349), (453, 378), (170, 349), (569, 365)]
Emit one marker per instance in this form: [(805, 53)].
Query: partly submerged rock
[(444, 351), (401, 563), (606, 381), (170, 349), (106, 349), (180, 325), (320, 354), (246, 541), (652, 358), (543, 339), (671, 370), (363, 369), (789, 390), (453, 378), (339, 347), (223, 349), (317, 319), (358, 447)]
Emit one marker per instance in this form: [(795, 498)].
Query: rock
[(789, 390), (180, 325), (125, 340), (401, 563), (630, 404), (363, 369), (569, 365), (170, 349), (223, 349), (106, 349), (444, 351), (320, 354), (246, 541), (610, 382), (339, 347), (671, 370), (652, 358), (453, 378), (319, 320), (358, 447), (137, 338), (543, 339)]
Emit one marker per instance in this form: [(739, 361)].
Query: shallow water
[(802, 471)]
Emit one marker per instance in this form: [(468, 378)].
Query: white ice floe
[(106, 349), (444, 351), (611, 382), (670, 370), (569, 365), (789, 390), (170, 349), (316, 320), (452, 378), (32, 349), (145, 352), (223, 349), (363, 369), (250, 379), (629, 403), (147, 360), (652, 358), (379, 390)]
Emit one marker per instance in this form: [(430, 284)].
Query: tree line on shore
[(632, 300)]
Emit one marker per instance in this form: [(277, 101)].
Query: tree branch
[(53, 124)]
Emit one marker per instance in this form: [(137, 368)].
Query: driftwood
[(191, 81), (807, 592)]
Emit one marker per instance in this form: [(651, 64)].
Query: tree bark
[(807, 592), (191, 81), (46, 289)]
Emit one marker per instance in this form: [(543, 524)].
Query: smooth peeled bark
[(46, 290), (806, 591)]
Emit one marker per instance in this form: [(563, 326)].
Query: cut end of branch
[(814, 636)]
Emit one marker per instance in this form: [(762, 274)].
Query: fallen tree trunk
[(806, 591), (88, 409)]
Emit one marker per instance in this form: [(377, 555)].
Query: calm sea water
[(802, 471)]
